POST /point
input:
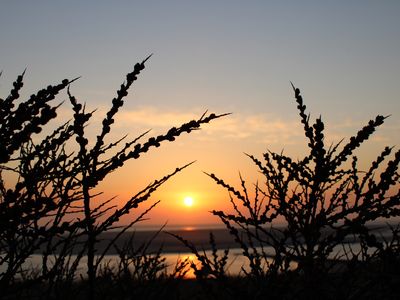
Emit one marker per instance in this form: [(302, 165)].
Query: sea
[(161, 239)]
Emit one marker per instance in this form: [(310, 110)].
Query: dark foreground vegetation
[(324, 200)]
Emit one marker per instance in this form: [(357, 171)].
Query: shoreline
[(199, 237)]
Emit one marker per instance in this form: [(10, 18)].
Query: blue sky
[(225, 56), (212, 53)]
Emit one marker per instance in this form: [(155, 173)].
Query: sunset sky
[(220, 56)]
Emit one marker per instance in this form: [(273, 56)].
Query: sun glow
[(188, 201)]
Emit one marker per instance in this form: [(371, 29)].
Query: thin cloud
[(240, 126)]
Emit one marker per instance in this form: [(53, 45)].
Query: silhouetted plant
[(323, 200), (25, 208), (141, 274), (52, 206), (209, 267)]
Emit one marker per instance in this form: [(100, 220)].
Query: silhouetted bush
[(324, 201), (51, 205)]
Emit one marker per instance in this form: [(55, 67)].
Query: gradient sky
[(224, 56)]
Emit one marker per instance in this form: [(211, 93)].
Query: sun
[(188, 201)]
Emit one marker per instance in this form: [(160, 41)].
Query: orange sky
[(218, 148)]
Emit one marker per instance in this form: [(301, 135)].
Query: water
[(174, 251), (236, 261)]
